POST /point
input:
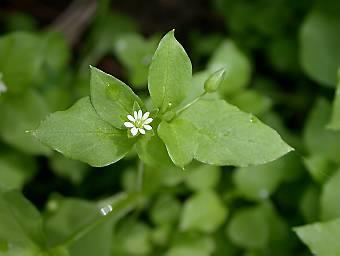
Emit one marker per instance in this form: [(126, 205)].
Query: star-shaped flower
[(139, 122)]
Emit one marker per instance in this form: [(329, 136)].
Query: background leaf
[(203, 212), (320, 46), (19, 114), (321, 238)]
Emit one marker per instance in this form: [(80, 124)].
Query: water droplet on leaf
[(106, 210), (253, 119)]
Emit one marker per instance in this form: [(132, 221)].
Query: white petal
[(130, 117), (147, 121), (134, 131), (142, 131), (147, 127), (146, 115), (135, 115), (140, 114), (128, 124)]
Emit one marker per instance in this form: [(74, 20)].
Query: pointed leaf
[(179, 137), (20, 222), (79, 133), (169, 73), (226, 136), (321, 238), (112, 99)]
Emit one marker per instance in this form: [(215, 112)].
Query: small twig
[(75, 19)]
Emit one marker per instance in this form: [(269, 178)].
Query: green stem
[(190, 103), (120, 208)]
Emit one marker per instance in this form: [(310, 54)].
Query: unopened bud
[(214, 81)]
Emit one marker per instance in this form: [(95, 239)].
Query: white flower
[(139, 122)]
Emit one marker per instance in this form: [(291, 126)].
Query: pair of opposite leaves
[(208, 130)]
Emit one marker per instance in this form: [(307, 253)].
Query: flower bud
[(214, 81)]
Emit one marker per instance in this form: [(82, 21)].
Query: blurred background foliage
[(281, 57)]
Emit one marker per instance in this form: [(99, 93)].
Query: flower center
[(139, 123)]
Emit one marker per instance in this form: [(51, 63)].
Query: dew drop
[(253, 119), (112, 92), (106, 209)]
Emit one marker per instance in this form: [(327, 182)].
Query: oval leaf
[(224, 136), (79, 133), (169, 74), (112, 99)]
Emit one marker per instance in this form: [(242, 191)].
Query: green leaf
[(320, 46), (20, 223), (259, 182), (191, 244), (80, 213), (260, 227), (321, 238), (20, 113), (203, 177), (152, 151), (56, 51), (227, 136), (16, 170), (319, 140), (132, 238), (112, 99), (135, 53), (91, 229), (310, 203), (79, 133), (236, 64), (248, 228), (335, 118), (29, 55), (165, 210), (180, 139), (203, 212), (251, 101), (186, 251), (319, 167), (330, 208), (169, 74), (161, 235), (68, 168)]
